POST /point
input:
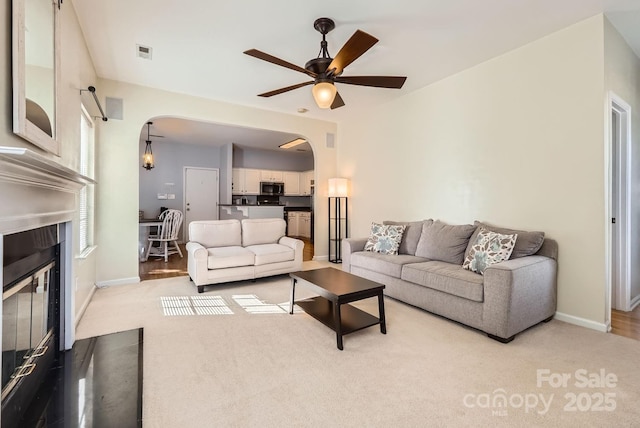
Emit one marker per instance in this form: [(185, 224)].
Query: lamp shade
[(338, 187), (324, 93)]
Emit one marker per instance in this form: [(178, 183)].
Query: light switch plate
[(171, 196), (162, 196)]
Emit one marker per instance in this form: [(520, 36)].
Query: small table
[(336, 289)]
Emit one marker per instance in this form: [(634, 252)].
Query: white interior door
[(201, 196)]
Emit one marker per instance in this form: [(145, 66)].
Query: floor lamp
[(338, 217)]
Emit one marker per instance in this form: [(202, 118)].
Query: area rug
[(271, 369)]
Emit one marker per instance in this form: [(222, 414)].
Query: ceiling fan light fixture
[(324, 93)]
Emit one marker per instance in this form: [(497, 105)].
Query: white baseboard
[(80, 313), (582, 322), (121, 281), (320, 258)]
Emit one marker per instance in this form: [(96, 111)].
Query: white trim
[(87, 251), (635, 302), (82, 310), (623, 292), (582, 322), (320, 258), (120, 281)]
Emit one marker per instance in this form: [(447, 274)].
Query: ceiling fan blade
[(288, 88), (393, 82), (337, 101), (272, 59), (358, 44)]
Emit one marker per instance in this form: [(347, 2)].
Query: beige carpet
[(279, 370)]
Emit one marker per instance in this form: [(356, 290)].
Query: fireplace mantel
[(35, 191)]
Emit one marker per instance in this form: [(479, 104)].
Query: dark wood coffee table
[(336, 289)]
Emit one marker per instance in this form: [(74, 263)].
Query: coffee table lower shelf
[(353, 319)]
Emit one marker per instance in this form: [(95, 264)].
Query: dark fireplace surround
[(36, 221)]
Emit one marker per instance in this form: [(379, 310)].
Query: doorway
[(619, 209), (201, 196)]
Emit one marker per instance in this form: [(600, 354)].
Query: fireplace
[(30, 315), (38, 209)]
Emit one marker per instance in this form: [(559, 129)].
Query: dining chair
[(167, 234)]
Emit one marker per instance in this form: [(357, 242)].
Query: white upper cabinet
[(306, 180), (274, 176), (245, 181), (291, 183)]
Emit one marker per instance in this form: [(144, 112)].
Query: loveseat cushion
[(446, 277), (444, 242), (411, 235), (527, 244), (215, 233), (226, 257), (390, 265), (257, 231), (271, 253)]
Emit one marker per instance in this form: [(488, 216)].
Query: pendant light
[(147, 158)]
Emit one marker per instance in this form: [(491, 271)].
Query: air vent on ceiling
[(144, 51)]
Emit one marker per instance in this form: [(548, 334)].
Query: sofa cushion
[(444, 242), (487, 249), (271, 253), (226, 257), (386, 264), (527, 244), (411, 235), (215, 233), (384, 239), (446, 277), (256, 231)]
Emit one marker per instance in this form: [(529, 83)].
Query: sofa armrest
[(298, 247), (519, 293), (350, 246), (197, 257)]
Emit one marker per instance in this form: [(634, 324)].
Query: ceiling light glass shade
[(147, 158), (293, 143), (324, 93), (338, 187)]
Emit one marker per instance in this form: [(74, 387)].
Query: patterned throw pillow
[(489, 248), (384, 239)]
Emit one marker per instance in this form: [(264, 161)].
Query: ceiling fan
[(327, 71)]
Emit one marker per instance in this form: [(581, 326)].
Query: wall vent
[(331, 140), (144, 51)]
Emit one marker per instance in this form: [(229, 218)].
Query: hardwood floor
[(626, 323), (156, 268)]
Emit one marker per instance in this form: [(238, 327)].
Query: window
[(87, 135)]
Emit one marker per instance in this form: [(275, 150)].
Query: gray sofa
[(427, 272)]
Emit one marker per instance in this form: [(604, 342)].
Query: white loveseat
[(229, 250)]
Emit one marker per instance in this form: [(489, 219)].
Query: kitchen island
[(241, 211)]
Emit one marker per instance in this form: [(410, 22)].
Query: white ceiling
[(198, 44)]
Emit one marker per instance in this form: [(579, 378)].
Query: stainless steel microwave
[(271, 188)]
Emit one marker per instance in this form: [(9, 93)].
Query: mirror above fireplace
[(36, 72)]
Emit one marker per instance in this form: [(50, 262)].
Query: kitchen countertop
[(303, 209)]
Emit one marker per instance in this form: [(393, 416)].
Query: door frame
[(185, 225), (620, 234)]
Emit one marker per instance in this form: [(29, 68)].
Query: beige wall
[(622, 76), (516, 141), (119, 163)]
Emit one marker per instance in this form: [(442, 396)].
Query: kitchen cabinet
[(245, 181), (306, 183), (273, 176), (304, 224), (292, 223), (291, 183)]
